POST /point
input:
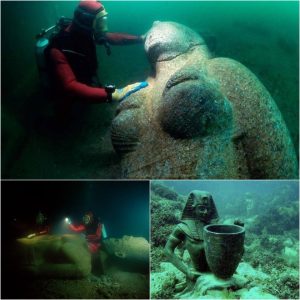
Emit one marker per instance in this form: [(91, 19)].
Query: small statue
[(206, 250), (199, 211)]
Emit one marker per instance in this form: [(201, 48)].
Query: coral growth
[(163, 191), (166, 207)]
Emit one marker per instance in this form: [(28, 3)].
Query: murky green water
[(261, 35)]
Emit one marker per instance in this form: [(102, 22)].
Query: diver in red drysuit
[(92, 230), (72, 60)]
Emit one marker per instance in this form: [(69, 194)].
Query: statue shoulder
[(179, 231)]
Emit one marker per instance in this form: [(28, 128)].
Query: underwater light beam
[(67, 220)]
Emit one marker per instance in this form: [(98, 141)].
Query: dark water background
[(264, 36), (122, 206)]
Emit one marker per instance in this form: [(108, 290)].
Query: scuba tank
[(104, 233), (43, 40)]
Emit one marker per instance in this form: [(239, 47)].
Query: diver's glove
[(120, 94)]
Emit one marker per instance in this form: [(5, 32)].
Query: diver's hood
[(195, 197)]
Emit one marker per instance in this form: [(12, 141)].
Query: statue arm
[(174, 240)]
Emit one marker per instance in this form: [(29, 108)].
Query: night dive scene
[(75, 239)]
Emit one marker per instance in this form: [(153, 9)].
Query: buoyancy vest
[(80, 51), (93, 228)]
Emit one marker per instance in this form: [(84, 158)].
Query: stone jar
[(224, 248)]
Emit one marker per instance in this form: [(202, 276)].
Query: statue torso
[(194, 243)]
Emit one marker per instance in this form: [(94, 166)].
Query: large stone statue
[(128, 253), (200, 117), (56, 256)]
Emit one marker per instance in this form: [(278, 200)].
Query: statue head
[(200, 206), (167, 40)]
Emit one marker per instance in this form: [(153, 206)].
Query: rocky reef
[(200, 117), (245, 284), (166, 207)]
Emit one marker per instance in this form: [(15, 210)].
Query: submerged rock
[(128, 253), (55, 256), (291, 256), (163, 191), (254, 293), (200, 117), (244, 284), (163, 283)]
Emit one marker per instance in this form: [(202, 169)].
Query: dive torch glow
[(68, 221)]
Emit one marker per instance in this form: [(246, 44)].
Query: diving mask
[(86, 219), (100, 22)]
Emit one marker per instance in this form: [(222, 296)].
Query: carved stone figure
[(56, 256), (211, 247), (199, 211), (200, 117)]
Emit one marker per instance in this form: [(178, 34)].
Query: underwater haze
[(269, 211), (262, 35), (51, 259), (122, 206)]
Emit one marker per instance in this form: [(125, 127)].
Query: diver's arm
[(123, 39), (76, 228), (176, 238), (69, 83)]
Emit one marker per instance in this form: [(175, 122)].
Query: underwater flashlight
[(67, 220)]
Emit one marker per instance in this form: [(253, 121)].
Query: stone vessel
[(224, 248)]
